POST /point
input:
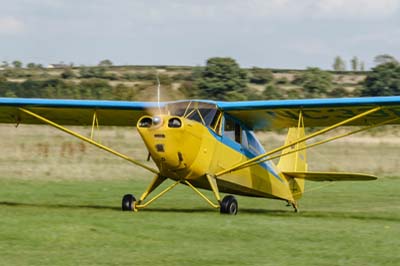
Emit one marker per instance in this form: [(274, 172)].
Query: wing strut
[(88, 140), (95, 124), (320, 142), (256, 159)]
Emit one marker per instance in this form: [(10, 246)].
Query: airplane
[(211, 145)]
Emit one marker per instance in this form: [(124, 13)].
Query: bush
[(68, 74), (272, 92), (338, 92), (260, 75), (95, 89), (383, 80), (189, 89), (315, 82), (122, 92), (222, 79), (282, 81)]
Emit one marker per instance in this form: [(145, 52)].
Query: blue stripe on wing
[(307, 103), (91, 104)]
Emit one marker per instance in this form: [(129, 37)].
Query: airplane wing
[(74, 112), (276, 114), (271, 114), (328, 176)]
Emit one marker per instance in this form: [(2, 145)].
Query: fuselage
[(191, 139)]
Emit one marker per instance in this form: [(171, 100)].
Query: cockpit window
[(233, 130), (253, 143), (202, 115), (205, 113), (229, 129)]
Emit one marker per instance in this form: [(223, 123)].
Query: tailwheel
[(229, 205), (295, 205), (128, 202)]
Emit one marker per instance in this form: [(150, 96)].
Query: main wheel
[(128, 201), (229, 205)]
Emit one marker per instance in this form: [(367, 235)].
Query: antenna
[(158, 92)]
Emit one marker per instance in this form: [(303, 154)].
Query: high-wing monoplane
[(212, 145)]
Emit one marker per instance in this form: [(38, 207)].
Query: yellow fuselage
[(191, 151)]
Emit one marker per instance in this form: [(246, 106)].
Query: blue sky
[(269, 33)]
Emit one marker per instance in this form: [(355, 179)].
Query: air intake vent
[(146, 122), (174, 122), (160, 147)]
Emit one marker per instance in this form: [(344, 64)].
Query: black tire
[(229, 205), (128, 201)]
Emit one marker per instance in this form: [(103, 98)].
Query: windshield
[(205, 113)]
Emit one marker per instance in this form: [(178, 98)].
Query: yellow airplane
[(211, 144)]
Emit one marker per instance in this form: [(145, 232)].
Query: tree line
[(220, 79), (357, 65)]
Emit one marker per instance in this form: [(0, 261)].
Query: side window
[(245, 143), (253, 143), (238, 133), (229, 128), (232, 130), (216, 123)]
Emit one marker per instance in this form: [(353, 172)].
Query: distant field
[(60, 200), (139, 81), (46, 153)]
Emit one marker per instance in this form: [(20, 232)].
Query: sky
[(263, 33)]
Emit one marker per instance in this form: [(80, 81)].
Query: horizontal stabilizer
[(329, 176)]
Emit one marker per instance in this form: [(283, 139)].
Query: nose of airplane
[(170, 143)]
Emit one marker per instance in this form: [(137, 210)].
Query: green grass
[(77, 222), (60, 205)]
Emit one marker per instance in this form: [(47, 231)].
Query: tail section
[(296, 161)]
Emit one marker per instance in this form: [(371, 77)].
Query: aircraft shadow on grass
[(57, 206), (275, 213), (322, 214)]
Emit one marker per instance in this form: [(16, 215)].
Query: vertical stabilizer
[(296, 161)]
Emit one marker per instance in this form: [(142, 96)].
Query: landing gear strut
[(228, 205)]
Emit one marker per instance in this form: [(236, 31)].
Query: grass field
[(60, 201), (79, 223)]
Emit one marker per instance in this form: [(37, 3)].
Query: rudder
[(295, 161)]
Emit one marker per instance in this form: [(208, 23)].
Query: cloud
[(310, 47), (268, 10), (190, 13), (356, 8), (11, 25), (387, 36), (317, 9)]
